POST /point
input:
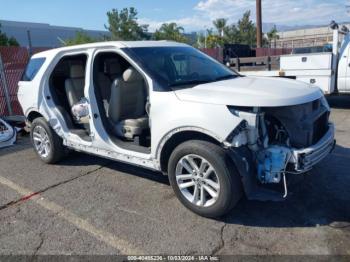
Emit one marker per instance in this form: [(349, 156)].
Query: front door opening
[(122, 98)]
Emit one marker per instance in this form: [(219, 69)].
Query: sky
[(193, 15)]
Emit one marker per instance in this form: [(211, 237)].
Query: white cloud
[(286, 12), (189, 23), (277, 11)]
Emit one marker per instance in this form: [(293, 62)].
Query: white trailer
[(330, 71)]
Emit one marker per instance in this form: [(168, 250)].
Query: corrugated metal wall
[(15, 60), (264, 51), (216, 53)]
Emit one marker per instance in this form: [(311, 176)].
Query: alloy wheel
[(197, 180), (41, 141)]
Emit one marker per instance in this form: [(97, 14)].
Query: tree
[(231, 34), (272, 35), (123, 25), (220, 25), (247, 30), (242, 33), (170, 31), (81, 38), (5, 41), (213, 41)]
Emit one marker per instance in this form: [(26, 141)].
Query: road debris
[(8, 134)]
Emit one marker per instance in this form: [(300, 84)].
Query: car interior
[(67, 83), (121, 95)]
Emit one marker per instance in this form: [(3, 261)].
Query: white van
[(168, 107)]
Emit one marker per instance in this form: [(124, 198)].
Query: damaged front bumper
[(304, 159), (300, 161)]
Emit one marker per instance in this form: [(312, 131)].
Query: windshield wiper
[(225, 77)]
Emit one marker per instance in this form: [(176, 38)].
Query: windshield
[(179, 67)]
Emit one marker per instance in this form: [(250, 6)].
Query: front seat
[(127, 105), (74, 85), (111, 71)]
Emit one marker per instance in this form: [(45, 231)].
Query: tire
[(52, 145), (229, 191)]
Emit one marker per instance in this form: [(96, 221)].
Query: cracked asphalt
[(88, 205)]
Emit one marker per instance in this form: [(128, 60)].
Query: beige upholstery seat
[(127, 105), (111, 71), (74, 85)]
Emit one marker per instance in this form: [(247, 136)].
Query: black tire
[(231, 189), (57, 150)]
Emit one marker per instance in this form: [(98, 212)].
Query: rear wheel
[(204, 178), (47, 144)]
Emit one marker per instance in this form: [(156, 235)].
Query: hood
[(252, 91)]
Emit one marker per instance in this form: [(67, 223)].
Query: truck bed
[(313, 68)]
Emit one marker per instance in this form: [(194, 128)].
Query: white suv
[(168, 107)]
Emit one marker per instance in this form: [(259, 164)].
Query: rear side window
[(32, 69)]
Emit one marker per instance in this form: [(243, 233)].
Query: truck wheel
[(47, 144), (204, 178)]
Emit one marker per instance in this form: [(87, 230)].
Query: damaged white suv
[(168, 107)]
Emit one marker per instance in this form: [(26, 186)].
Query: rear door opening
[(67, 85)]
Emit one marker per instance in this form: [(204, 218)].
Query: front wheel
[(204, 178)]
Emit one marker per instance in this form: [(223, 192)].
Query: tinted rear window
[(32, 68)]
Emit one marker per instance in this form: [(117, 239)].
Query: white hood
[(252, 91)]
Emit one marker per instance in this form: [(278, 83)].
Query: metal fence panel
[(15, 60), (216, 53)]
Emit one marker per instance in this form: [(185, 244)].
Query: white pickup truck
[(330, 71)]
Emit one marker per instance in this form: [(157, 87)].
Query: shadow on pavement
[(76, 159), (139, 172), (22, 143)]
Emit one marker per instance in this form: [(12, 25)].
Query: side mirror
[(333, 25)]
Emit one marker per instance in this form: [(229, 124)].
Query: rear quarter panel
[(30, 93)]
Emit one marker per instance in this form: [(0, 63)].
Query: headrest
[(131, 75), (77, 71), (112, 67)]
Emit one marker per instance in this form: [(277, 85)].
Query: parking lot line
[(123, 246)]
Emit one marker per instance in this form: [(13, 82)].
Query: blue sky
[(191, 14)]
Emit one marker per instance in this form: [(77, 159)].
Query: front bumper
[(304, 159)]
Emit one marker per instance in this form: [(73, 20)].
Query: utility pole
[(258, 24)]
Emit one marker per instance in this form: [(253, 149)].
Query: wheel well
[(178, 139), (33, 115)]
